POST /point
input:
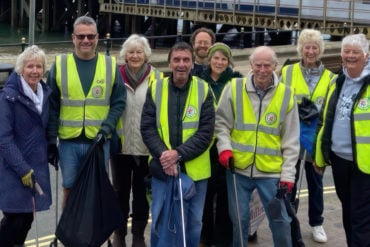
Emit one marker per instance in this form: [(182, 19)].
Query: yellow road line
[(46, 240)]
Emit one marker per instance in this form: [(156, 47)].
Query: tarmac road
[(332, 210), (332, 223)]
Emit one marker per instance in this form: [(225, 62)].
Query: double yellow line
[(46, 240)]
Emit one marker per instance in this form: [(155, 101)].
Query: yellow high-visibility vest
[(259, 142), (77, 111), (198, 168)]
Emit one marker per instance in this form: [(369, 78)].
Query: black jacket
[(328, 126), (195, 145)]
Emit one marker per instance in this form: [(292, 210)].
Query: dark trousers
[(353, 190), (128, 172), (315, 193), (14, 228), (217, 226)]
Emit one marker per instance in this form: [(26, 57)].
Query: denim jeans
[(267, 188), (72, 155), (163, 232)]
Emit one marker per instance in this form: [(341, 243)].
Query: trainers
[(319, 234)]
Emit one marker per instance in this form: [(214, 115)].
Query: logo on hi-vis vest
[(191, 111), (363, 104), (97, 91), (270, 118), (319, 101)]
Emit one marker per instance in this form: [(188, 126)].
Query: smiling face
[(135, 59), (180, 63), (201, 45), (353, 59), (218, 63), (310, 54), (32, 72), (263, 67), (85, 39)]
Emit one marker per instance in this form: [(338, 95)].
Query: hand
[(100, 138), (28, 180), (53, 155), (287, 185), (225, 157)]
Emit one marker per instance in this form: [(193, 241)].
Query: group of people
[(186, 131)]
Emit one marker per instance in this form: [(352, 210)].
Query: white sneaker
[(319, 234)]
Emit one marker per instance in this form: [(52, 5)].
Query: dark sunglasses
[(83, 36)]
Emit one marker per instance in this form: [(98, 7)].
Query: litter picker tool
[(232, 170), (181, 207)]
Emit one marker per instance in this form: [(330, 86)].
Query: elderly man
[(257, 126), (177, 126)]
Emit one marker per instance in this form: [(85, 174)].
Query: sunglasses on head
[(83, 36)]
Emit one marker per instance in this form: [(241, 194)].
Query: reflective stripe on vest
[(78, 111), (361, 116), (292, 76), (254, 142), (199, 167)]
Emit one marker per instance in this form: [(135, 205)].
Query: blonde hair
[(30, 53), (310, 35)]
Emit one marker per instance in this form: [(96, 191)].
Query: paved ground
[(332, 214)]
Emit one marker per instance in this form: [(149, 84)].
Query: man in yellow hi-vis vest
[(257, 126), (88, 99), (177, 126)]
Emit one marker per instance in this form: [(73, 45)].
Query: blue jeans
[(267, 188), (72, 155), (163, 230)]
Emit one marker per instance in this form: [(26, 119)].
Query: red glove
[(288, 185), (224, 158)]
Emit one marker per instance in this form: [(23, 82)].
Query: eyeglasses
[(83, 36)]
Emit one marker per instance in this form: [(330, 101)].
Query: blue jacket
[(23, 146)]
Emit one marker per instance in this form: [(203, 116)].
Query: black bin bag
[(92, 211)]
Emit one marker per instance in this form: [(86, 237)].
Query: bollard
[(108, 43), (23, 44), (241, 43)]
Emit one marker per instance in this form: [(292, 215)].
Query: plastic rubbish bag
[(92, 211)]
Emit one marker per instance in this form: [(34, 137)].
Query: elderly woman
[(217, 227), (23, 147), (310, 80), (344, 138), (130, 163)]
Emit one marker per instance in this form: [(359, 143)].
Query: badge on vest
[(97, 91), (363, 103), (191, 111), (270, 118), (319, 101)]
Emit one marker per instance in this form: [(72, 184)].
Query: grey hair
[(310, 35), (30, 53), (357, 40), (261, 49), (84, 20), (135, 41)]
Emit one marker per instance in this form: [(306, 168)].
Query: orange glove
[(224, 158), (288, 185)]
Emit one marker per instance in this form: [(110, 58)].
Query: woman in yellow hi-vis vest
[(309, 79), (343, 141)]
